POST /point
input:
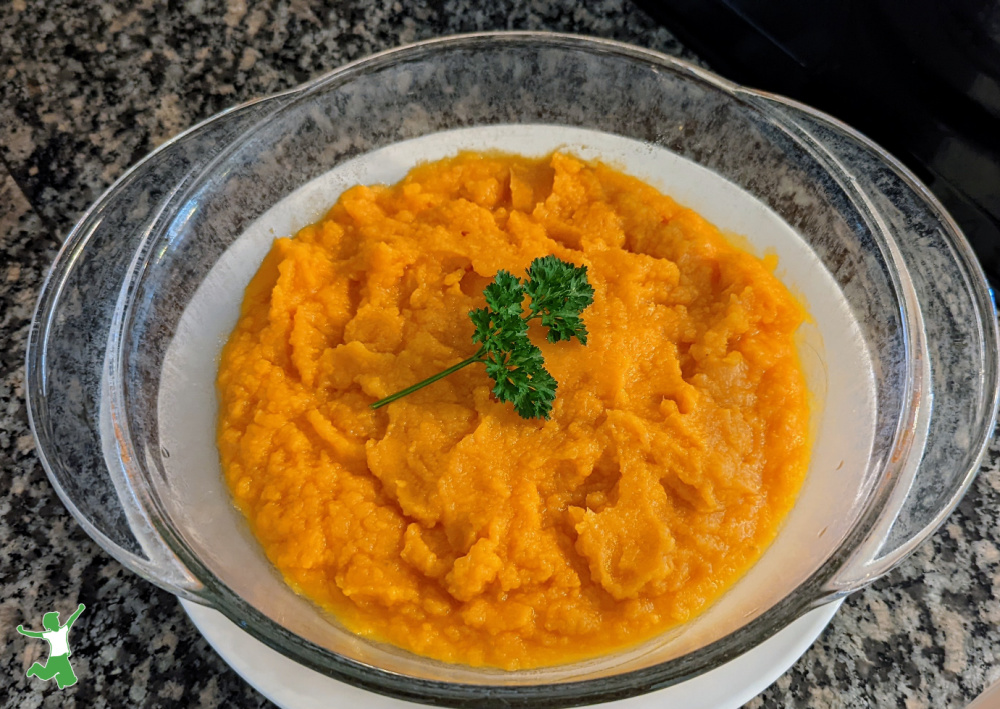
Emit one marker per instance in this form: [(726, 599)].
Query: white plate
[(294, 686)]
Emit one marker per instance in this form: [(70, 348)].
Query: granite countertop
[(87, 89)]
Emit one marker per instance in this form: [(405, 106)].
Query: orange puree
[(445, 523)]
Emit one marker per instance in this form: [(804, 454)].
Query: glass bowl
[(901, 356)]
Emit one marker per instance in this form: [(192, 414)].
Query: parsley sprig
[(559, 293)]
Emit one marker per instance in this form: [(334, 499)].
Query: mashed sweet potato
[(444, 522)]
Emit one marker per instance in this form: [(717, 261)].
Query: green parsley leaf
[(525, 382), (505, 295), (559, 292)]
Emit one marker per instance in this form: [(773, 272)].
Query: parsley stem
[(430, 380)]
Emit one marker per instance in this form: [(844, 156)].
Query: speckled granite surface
[(85, 91)]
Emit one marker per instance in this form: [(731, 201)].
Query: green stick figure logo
[(58, 637)]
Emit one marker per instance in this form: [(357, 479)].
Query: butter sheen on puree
[(447, 524)]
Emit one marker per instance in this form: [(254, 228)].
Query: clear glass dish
[(106, 401)]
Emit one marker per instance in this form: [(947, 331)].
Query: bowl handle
[(65, 385), (960, 341)]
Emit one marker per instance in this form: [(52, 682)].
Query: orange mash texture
[(445, 523)]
